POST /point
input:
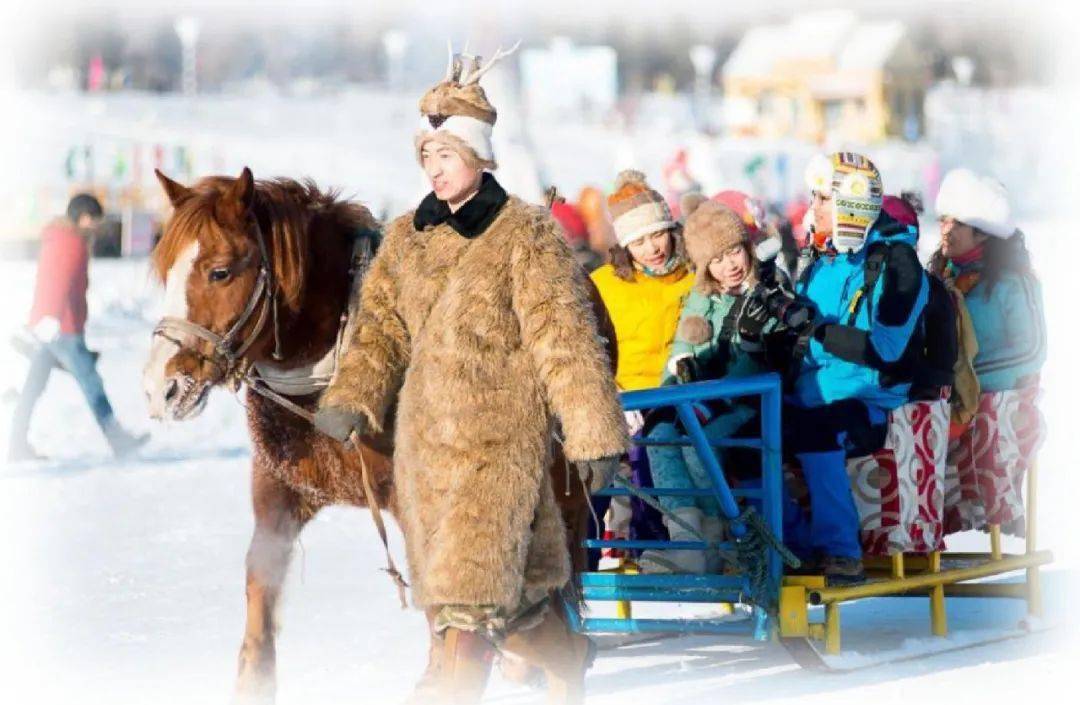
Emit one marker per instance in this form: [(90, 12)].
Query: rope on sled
[(752, 550)]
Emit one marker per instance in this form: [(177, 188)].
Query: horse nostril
[(171, 390)]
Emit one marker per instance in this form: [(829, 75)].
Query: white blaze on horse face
[(155, 383)]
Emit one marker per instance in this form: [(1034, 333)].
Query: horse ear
[(244, 189), (174, 190)]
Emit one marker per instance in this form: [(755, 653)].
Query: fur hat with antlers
[(457, 112)]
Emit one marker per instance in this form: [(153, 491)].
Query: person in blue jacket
[(868, 290), (985, 256)]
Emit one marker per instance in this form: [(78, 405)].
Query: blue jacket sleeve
[(900, 299), (893, 310)]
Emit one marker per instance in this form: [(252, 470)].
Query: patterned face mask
[(856, 196)]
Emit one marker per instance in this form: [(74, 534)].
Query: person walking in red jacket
[(57, 322)]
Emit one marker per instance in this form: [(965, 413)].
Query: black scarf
[(471, 219)]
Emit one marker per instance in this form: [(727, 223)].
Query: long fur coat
[(484, 346)]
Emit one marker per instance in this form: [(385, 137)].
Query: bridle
[(228, 348), (228, 356)]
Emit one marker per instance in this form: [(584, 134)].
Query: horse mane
[(286, 210), (289, 208)]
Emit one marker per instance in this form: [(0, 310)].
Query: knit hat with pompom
[(636, 209)]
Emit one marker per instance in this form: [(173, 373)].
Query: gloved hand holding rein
[(599, 473), (340, 423)]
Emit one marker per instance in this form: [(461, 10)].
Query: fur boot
[(713, 531), (463, 667), (559, 652)]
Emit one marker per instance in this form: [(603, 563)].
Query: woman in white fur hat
[(985, 256)]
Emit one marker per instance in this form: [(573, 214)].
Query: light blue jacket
[(842, 361), (1009, 327)]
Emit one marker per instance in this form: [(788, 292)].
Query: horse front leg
[(277, 524)]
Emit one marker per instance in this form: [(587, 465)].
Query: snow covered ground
[(122, 582)]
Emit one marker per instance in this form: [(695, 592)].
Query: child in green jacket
[(719, 334)]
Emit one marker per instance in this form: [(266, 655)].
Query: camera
[(782, 305), (771, 291)]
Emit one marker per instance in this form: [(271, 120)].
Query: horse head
[(221, 293)]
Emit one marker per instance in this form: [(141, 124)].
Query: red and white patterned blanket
[(899, 490), (921, 487), (984, 479)]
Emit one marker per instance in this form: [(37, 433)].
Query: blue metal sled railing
[(710, 588)]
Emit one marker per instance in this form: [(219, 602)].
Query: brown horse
[(258, 276)]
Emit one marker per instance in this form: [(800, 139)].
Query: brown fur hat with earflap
[(711, 230)]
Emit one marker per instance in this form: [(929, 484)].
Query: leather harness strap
[(228, 349), (228, 357)]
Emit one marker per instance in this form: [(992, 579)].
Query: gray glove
[(598, 473), (339, 423)]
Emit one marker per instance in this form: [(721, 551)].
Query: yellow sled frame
[(938, 575)]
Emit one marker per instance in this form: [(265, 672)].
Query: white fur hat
[(978, 201), (819, 174)]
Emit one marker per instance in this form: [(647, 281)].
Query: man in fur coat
[(477, 335)]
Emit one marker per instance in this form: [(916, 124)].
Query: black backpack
[(929, 360)]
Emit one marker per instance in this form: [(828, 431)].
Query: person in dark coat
[(57, 323)]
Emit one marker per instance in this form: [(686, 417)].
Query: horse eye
[(219, 274)]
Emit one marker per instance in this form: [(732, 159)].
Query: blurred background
[(130, 571), (100, 94)]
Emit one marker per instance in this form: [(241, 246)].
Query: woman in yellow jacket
[(644, 284), (643, 288)]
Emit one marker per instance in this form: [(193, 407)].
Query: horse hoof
[(255, 687)]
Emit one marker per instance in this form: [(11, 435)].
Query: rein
[(228, 353), (365, 483)]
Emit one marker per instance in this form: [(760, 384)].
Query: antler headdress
[(457, 109)]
